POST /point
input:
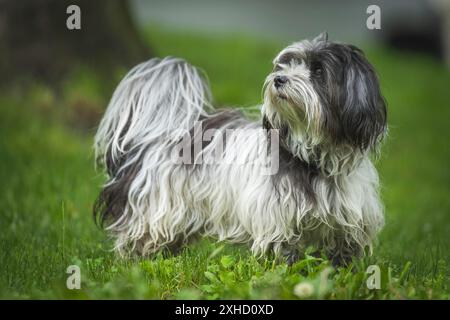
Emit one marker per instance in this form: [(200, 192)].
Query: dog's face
[(327, 91)]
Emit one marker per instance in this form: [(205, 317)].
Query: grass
[(49, 184)]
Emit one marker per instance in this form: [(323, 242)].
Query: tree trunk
[(35, 41)]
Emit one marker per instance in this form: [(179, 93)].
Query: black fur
[(232, 119), (113, 198), (353, 106), (300, 172)]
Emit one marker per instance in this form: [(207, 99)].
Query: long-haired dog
[(178, 168)]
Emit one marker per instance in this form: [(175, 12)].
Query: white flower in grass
[(304, 290)]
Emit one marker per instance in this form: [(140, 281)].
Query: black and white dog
[(178, 168)]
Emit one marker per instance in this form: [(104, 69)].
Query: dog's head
[(326, 91)]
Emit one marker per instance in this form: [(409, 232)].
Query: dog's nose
[(280, 81)]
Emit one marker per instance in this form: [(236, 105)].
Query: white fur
[(154, 105)]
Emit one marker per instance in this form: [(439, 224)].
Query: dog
[(322, 118)]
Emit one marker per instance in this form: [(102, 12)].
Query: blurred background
[(36, 47), (55, 84), (421, 25), (34, 40)]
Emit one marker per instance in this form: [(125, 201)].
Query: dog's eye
[(316, 68)]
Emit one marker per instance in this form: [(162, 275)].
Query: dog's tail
[(157, 98), (153, 106)]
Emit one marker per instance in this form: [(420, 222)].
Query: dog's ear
[(363, 107), (323, 37)]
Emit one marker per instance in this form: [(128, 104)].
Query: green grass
[(48, 185)]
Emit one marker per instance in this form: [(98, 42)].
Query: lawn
[(49, 185)]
